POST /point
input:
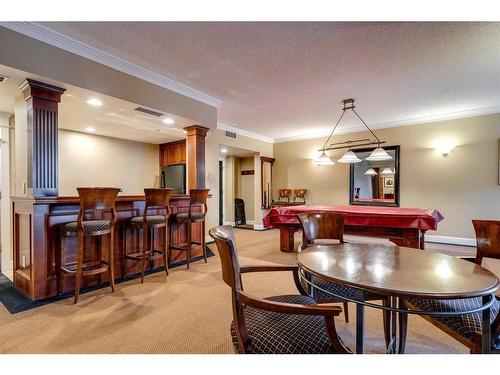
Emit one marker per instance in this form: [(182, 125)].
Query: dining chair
[(466, 329), (283, 324), (330, 226)]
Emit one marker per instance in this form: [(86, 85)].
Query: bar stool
[(94, 202), (158, 199), (197, 197)]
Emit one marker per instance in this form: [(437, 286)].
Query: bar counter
[(37, 240)]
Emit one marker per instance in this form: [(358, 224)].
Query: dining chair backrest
[(487, 238), (228, 253), (284, 194), (323, 225)]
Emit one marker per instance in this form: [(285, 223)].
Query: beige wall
[(5, 208), (462, 186), (215, 139), (92, 160)]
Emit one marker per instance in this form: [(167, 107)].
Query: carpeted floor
[(189, 313)]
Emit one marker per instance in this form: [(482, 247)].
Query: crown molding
[(245, 133), (56, 39), (399, 123)]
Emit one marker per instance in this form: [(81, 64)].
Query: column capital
[(36, 89), (198, 130)]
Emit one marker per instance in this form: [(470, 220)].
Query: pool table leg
[(287, 238), (411, 238)]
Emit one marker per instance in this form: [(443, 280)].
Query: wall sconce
[(445, 147)]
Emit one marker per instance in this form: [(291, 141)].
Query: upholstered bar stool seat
[(278, 333), (89, 226), (153, 219), (195, 216), (467, 326)]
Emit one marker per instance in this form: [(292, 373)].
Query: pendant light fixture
[(371, 172), (387, 171), (324, 159), (350, 157)]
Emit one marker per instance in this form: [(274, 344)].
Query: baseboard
[(463, 241), (231, 223), (258, 227), (251, 222)]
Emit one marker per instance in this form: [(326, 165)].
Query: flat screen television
[(174, 177)]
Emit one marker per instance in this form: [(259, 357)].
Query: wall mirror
[(266, 181), (375, 183)]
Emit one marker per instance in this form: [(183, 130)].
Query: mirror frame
[(396, 179)]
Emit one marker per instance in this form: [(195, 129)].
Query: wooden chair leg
[(165, 249), (98, 245), (59, 260), (112, 260), (124, 253), (79, 265), (188, 234), (203, 245), (144, 248), (346, 312)]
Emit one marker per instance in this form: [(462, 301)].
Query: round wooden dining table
[(399, 272)]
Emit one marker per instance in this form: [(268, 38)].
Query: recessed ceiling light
[(223, 150), (168, 121), (90, 129), (95, 102)]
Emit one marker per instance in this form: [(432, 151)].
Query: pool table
[(403, 226)]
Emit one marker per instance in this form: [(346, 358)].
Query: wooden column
[(196, 156), (42, 103)]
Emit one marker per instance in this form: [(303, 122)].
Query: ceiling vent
[(3, 79), (149, 111), (231, 135)]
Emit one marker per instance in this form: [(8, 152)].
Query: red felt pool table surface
[(403, 226)]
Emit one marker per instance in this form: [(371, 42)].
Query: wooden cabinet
[(173, 153)]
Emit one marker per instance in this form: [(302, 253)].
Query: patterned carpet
[(189, 313)]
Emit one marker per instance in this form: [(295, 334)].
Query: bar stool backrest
[(97, 199), (487, 238), (157, 198), (199, 196)]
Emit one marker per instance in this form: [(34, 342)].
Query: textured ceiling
[(287, 79), (115, 118)]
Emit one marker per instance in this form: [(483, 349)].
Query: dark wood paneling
[(42, 103), (196, 156)]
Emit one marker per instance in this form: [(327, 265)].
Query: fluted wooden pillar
[(42, 102), (196, 156)]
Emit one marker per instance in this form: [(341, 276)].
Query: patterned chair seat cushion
[(184, 216), (153, 219), (336, 289), (89, 226), (464, 325), (278, 333)]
